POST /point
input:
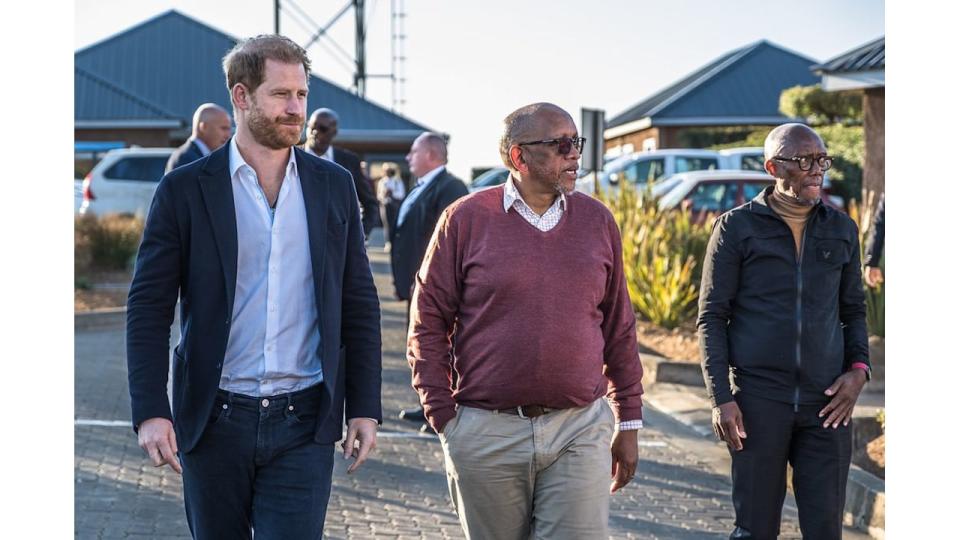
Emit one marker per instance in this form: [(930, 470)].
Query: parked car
[(124, 181), (747, 158), (715, 192), (640, 168), (493, 177)]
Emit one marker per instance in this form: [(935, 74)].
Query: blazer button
[(219, 365)]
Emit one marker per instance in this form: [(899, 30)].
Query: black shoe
[(413, 415), (427, 430)]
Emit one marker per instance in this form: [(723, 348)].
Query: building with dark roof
[(141, 86), (862, 70), (740, 89)]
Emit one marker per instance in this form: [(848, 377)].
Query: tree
[(819, 107)]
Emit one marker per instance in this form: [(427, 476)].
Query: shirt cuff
[(630, 425)]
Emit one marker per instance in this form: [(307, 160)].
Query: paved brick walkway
[(681, 490)]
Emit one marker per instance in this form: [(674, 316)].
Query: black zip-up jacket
[(782, 327)]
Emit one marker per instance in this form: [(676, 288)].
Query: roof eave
[(836, 82)]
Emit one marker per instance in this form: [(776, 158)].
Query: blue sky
[(470, 63)]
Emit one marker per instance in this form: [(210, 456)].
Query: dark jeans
[(257, 467), (820, 458)]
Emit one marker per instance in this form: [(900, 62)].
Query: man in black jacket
[(321, 130), (434, 190), (782, 311)]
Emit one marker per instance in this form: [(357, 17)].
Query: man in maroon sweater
[(522, 294)]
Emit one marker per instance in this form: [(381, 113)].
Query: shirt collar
[(427, 178), (204, 149), (237, 162), (511, 194), (328, 155)]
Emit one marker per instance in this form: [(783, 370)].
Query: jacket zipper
[(796, 390)]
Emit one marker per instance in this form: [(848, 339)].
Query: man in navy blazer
[(211, 130), (280, 320)]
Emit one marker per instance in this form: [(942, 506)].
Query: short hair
[(779, 136), (519, 125), (329, 113), (437, 143), (204, 112), (245, 63)]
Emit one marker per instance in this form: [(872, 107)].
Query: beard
[(268, 132)]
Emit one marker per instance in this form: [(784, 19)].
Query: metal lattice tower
[(398, 39)]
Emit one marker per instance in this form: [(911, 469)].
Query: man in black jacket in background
[(782, 311), (321, 130)]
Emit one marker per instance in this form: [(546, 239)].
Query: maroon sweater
[(530, 317)]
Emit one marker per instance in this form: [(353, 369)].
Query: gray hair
[(437, 144), (521, 125)]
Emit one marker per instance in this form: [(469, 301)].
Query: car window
[(643, 171), (141, 168), (712, 197), (752, 189), (685, 164), (751, 162), (491, 178)]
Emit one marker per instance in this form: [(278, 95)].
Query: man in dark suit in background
[(280, 322), (434, 190), (211, 130), (321, 130)]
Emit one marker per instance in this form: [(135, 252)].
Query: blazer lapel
[(217, 192), (316, 201)]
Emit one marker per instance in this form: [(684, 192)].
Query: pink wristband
[(860, 365)]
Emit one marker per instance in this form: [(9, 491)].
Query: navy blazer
[(190, 247), (187, 152), (411, 237)]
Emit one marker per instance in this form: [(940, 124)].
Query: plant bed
[(679, 344), (100, 289)]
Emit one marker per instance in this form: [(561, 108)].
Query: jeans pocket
[(220, 411)]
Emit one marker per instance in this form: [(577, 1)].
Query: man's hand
[(873, 276), (845, 391), (158, 440), (624, 451), (361, 440), (728, 425)]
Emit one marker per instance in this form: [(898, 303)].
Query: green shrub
[(662, 256), (106, 243)]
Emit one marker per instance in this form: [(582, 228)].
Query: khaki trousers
[(518, 478)]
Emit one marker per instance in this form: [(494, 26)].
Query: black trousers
[(820, 457)]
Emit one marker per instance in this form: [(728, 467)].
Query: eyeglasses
[(806, 162), (564, 144)]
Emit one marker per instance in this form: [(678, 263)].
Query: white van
[(640, 168), (124, 181)]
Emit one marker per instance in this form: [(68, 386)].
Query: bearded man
[(280, 321)]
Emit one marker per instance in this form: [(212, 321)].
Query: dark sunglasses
[(564, 144), (806, 162)]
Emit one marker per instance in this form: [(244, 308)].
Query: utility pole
[(360, 77), (276, 17)]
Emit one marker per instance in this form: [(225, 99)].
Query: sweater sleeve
[(621, 356), (433, 312)]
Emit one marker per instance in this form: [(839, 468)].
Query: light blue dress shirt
[(274, 341)]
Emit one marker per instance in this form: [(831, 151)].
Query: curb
[(99, 318), (865, 502)]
